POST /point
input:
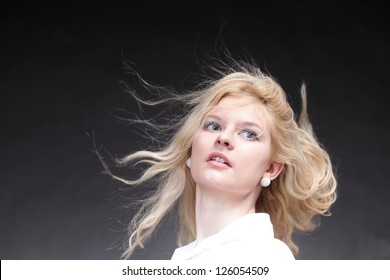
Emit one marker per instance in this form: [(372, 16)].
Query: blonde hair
[(305, 189)]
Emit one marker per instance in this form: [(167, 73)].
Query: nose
[(223, 140)]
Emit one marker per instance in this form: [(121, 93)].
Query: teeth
[(218, 159)]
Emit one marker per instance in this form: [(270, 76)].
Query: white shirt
[(250, 237)]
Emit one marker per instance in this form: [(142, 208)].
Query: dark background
[(60, 68)]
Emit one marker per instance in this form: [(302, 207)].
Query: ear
[(274, 170)]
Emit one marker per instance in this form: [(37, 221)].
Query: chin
[(212, 177)]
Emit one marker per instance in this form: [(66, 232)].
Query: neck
[(215, 210)]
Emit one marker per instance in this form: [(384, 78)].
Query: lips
[(219, 157)]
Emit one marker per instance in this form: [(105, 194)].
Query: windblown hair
[(304, 190)]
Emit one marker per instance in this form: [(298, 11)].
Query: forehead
[(246, 108)]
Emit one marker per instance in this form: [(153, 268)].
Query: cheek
[(195, 148), (255, 160), (199, 153), (200, 143), (196, 153)]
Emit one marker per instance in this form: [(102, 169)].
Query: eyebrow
[(244, 123)]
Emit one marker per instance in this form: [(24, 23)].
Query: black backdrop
[(60, 68)]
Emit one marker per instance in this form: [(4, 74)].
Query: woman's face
[(232, 149)]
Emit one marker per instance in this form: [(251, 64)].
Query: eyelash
[(208, 124), (254, 138), (214, 126)]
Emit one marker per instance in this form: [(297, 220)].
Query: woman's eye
[(213, 126), (249, 134)]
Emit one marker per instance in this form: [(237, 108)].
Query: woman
[(244, 173)]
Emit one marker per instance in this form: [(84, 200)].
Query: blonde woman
[(244, 173)]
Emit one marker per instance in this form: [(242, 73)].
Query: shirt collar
[(248, 227)]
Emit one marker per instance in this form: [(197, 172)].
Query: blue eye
[(213, 126), (249, 134)]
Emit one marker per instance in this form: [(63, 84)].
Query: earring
[(265, 182), (188, 162)]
